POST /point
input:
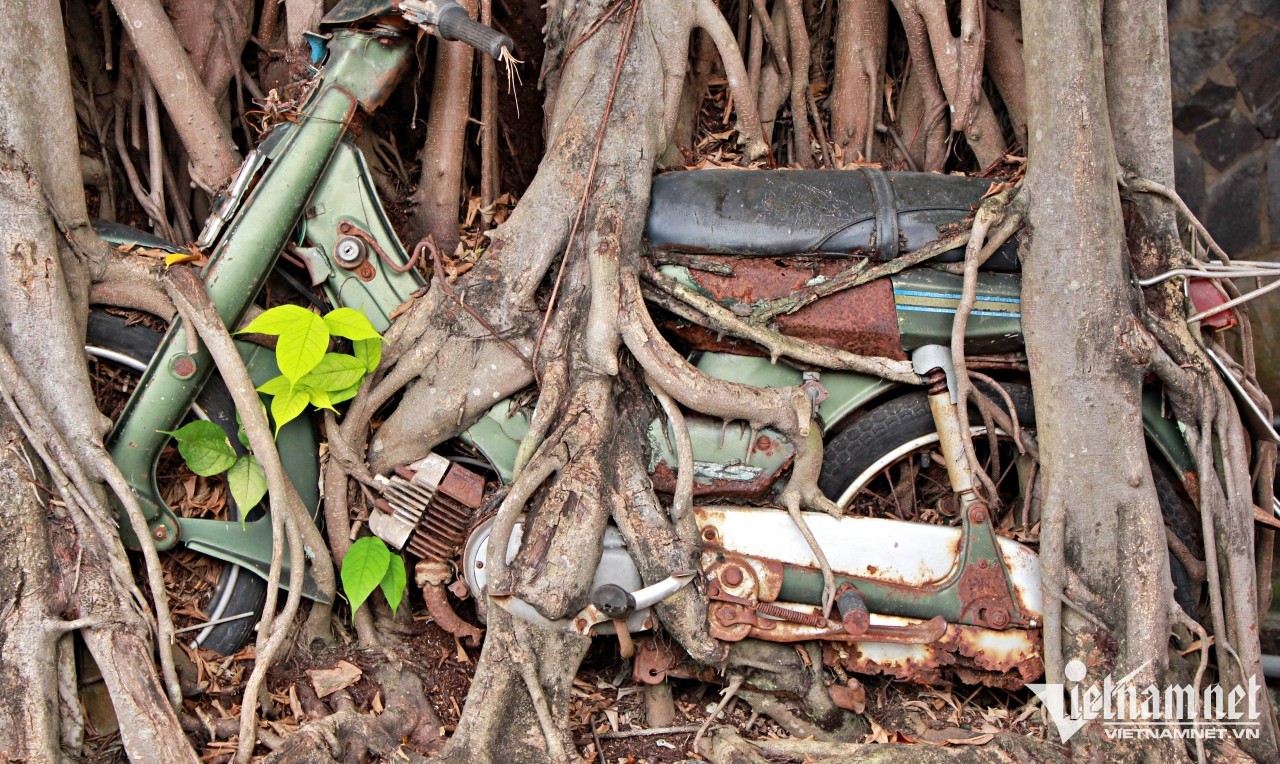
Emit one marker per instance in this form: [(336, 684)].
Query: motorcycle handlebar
[(453, 23)]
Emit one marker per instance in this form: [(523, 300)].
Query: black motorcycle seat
[(837, 213)]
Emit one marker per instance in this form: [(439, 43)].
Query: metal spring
[(937, 379), (787, 614)]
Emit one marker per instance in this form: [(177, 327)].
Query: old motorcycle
[(930, 576)]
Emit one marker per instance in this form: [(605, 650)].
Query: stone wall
[(1224, 59)]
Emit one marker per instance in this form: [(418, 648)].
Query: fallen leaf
[(955, 736), (328, 681)]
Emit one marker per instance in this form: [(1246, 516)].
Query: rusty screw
[(725, 614), (183, 366), (978, 514), (733, 575), (580, 624), (709, 534), (999, 618), (160, 533)]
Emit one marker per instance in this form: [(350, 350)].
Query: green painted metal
[(846, 391), (354, 11), (498, 433), (363, 68), (346, 194), (497, 436), (125, 237), (235, 273), (250, 545), (1165, 433), (927, 299)]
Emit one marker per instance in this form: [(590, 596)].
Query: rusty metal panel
[(861, 320)]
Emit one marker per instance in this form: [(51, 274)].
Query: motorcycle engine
[(426, 508)]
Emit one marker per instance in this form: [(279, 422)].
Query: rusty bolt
[(733, 575), (648, 623), (999, 618), (580, 624), (725, 614), (160, 533), (709, 534), (764, 443), (183, 366), (982, 564), (713, 589), (366, 271), (978, 514), (344, 227)]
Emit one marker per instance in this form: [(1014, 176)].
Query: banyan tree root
[(289, 520)]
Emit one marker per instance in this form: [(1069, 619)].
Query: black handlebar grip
[(453, 23)]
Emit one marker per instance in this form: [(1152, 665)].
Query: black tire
[(237, 590), (896, 423)]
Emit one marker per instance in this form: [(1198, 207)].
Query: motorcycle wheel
[(120, 352), (886, 463)]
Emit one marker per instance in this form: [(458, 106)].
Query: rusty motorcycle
[(932, 576)]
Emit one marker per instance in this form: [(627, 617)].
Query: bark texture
[(1074, 275)]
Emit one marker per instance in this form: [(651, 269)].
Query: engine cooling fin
[(426, 508)]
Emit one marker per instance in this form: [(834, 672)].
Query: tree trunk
[(1087, 384), (436, 202), (204, 134), (31, 601)]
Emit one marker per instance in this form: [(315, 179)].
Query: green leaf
[(350, 323), (288, 405), (241, 435), (338, 396), (248, 484), (301, 345), (320, 399), (363, 569), (369, 352), (393, 582), (275, 385), (277, 320), (336, 371), (204, 447)]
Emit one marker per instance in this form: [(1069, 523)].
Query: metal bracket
[(926, 358)]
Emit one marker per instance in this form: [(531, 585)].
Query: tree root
[(750, 135), (726, 694), (288, 517), (1003, 211), (856, 275), (716, 317), (405, 729), (787, 409), (682, 501)]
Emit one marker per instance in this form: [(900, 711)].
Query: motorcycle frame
[(307, 186)]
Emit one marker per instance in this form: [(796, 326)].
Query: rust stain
[(861, 320), (664, 481)]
